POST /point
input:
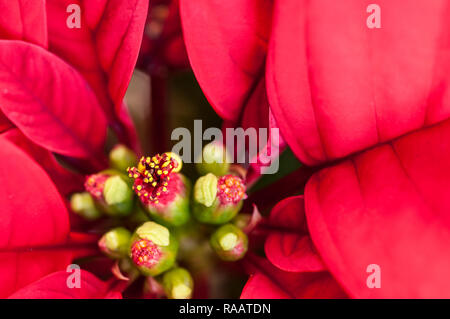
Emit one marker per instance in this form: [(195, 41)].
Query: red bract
[(23, 20), (349, 87), (33, 229), (387, 206), (49, 102), (297, 271), (51, 105), (383, 206), (4, 123), (104, 50), (269, 282), (337, 88), (230, 36), (289, 246), (54, 287), (65, 180)]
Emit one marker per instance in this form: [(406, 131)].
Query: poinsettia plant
[(366, 108), (92, 209)]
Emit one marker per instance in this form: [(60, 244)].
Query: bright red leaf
[(289, 246), (24, 20), (337, 87), (231, 38), (33, 219), (104, 50), (54, 286), (387, 206), (268, 282), (5, 124), (49, 101), (65, 180)]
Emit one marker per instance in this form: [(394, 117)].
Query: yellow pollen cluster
[(152, 175)]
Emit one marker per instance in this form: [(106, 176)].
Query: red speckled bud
[(153, 249), (218, 200), (145, 253), (230, 190)]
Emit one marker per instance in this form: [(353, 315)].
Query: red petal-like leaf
[(54, 286), (33, 219), (64, 179), (104, 49), (387, 206), (337, 87), (230, 38), (288, 185), (268, 282), (49, 101), (257, 115), (260, 286), (118, 35), (289, 246), (5, 124), (24, 20)]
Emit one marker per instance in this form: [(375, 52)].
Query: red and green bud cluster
[(107, 193), (162, 190), (153, 202), (218, 200)]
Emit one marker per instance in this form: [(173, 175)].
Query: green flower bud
[(83, 204), (121, 157), (178, 284), (215, 160), (115, 243), (205, 190), (217, 200), (112, 192), (118, 195), (229, 242), (153, 249)]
